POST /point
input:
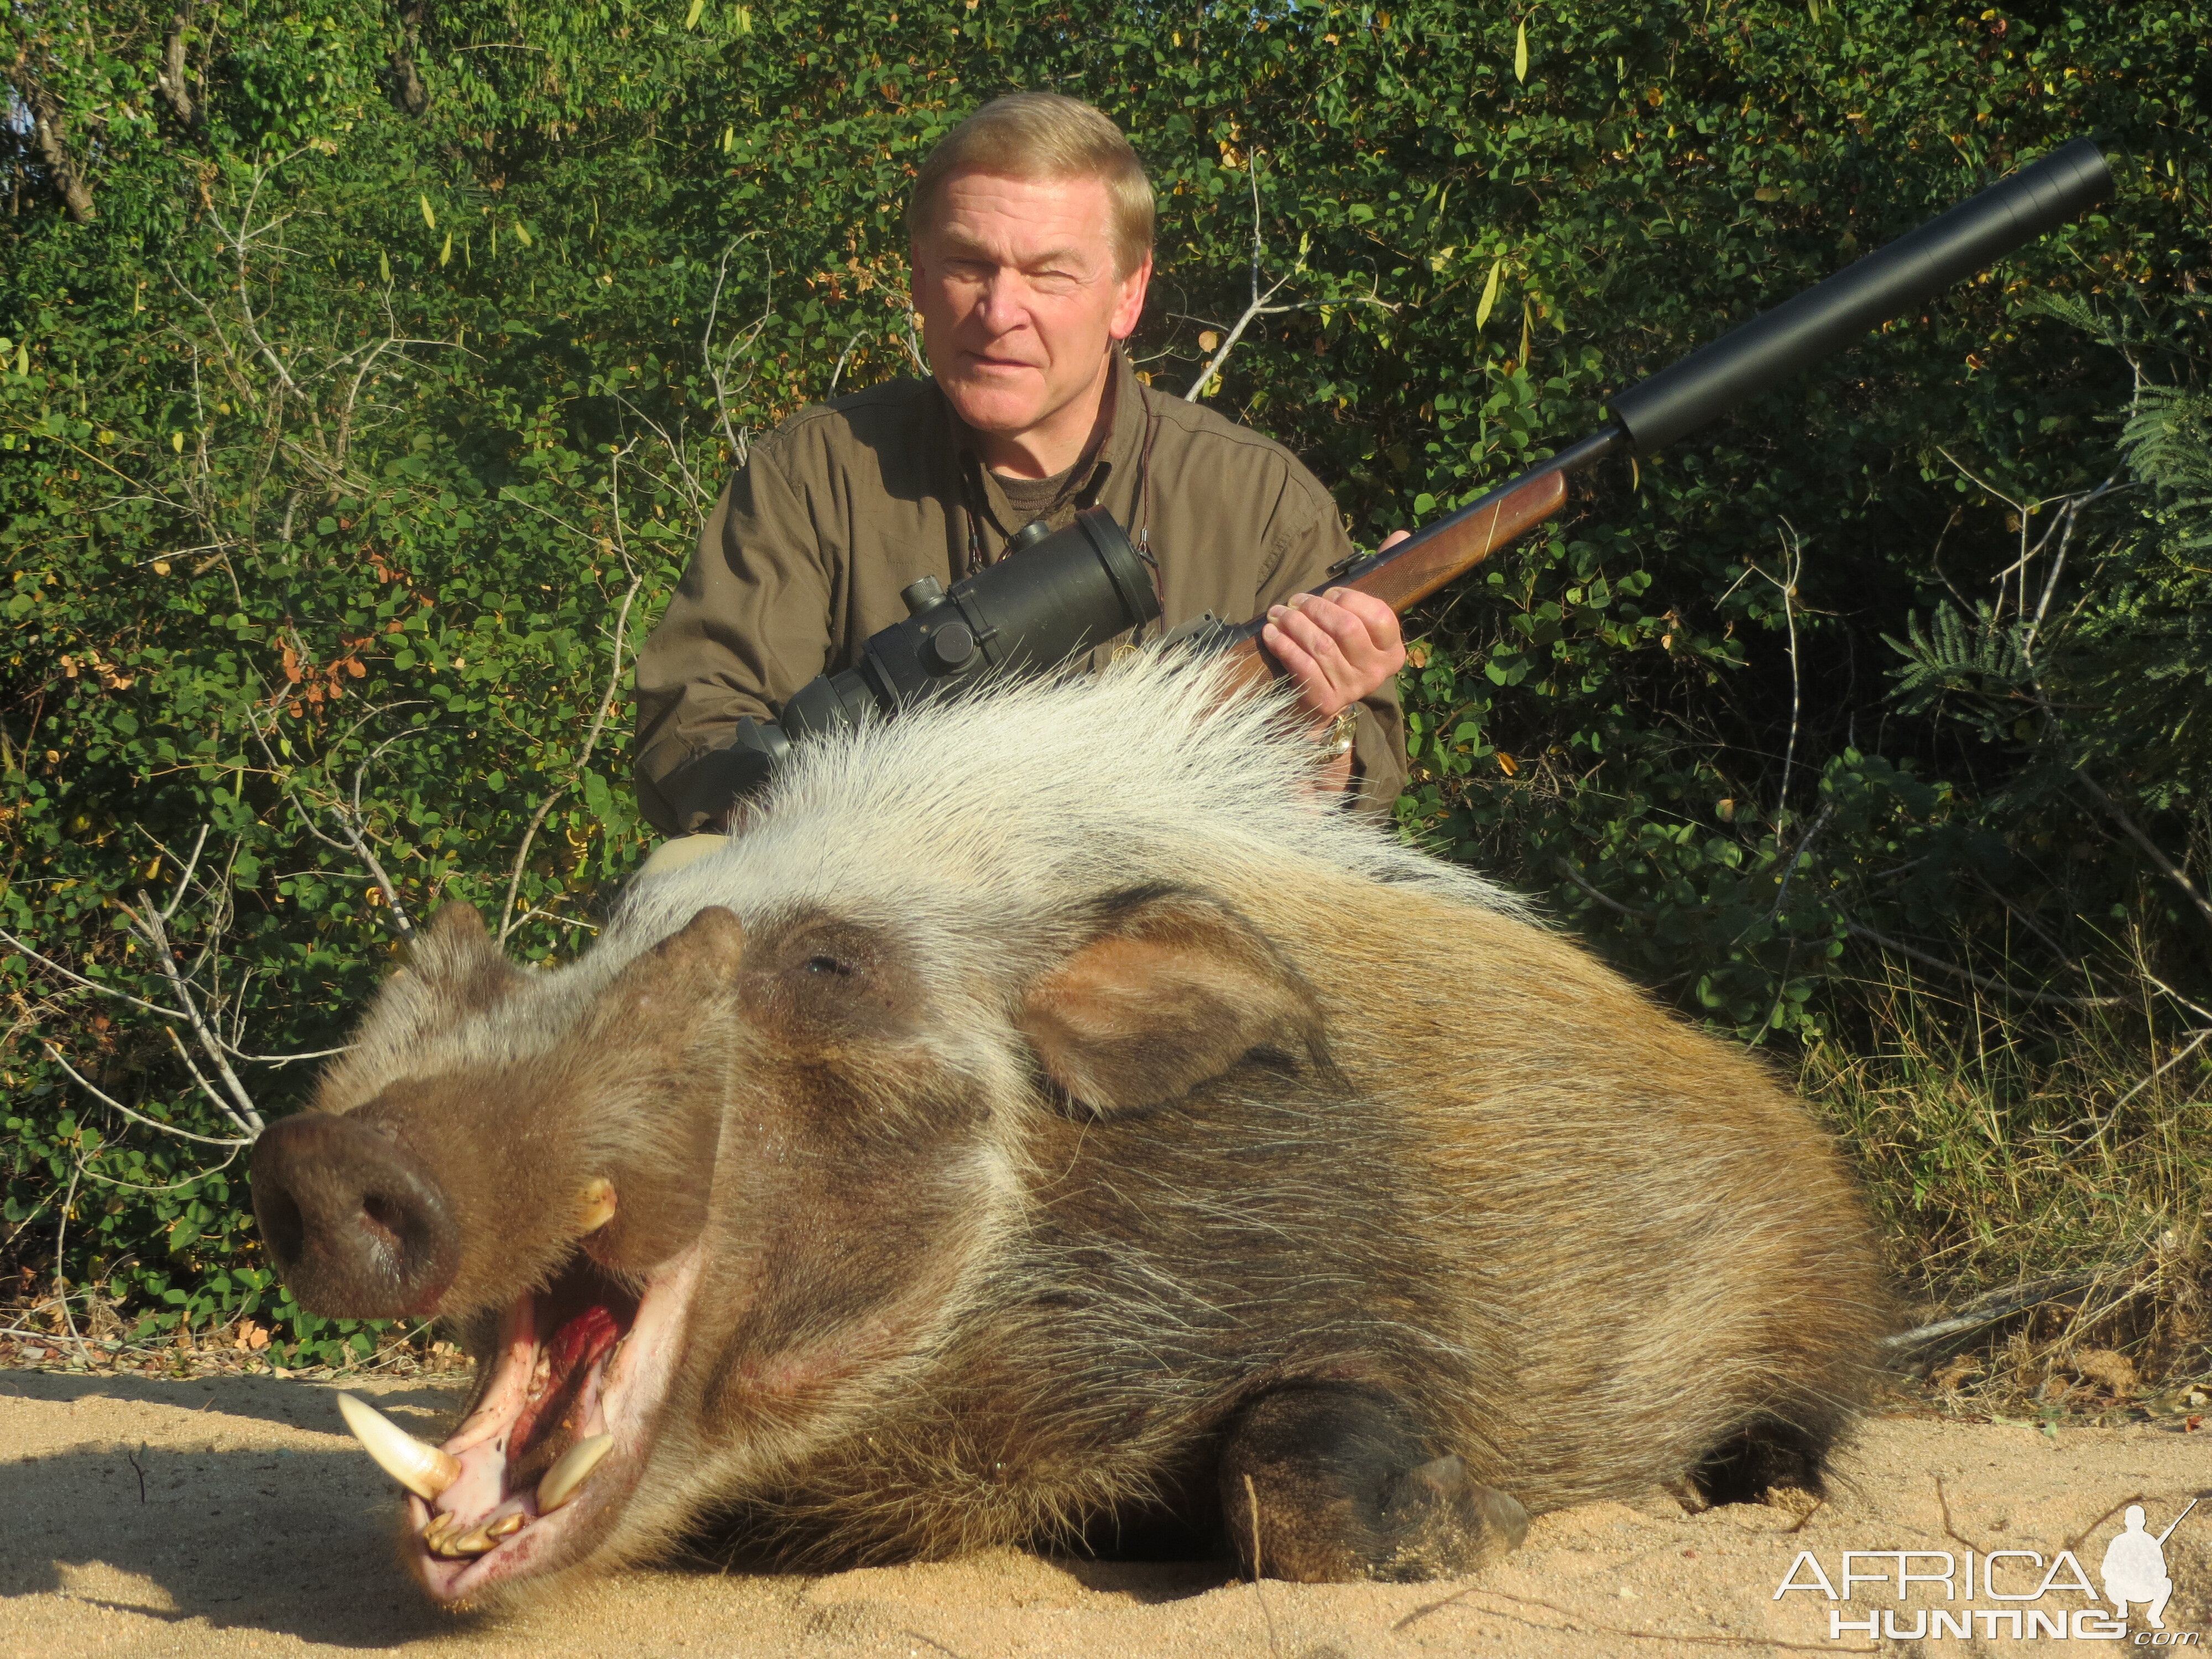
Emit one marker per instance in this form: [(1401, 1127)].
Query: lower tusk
[(421, 1467), (595, 1205), (562, 1480)]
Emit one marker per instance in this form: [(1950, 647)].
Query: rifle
[(1082, 586), (1716, 378)]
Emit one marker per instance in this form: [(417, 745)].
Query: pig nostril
[(351, 1218), (384, 1221)]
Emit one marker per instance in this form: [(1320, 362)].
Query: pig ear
[(452, 970), (693, 962), (1174, 990), (455, 960)]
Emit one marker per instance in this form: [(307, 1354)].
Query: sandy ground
[(230, 1516)]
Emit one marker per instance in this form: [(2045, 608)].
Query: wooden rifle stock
[(1417, 567)]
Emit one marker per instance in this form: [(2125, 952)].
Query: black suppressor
[(1775, 344), (1067, 593)]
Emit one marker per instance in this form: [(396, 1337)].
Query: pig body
[(1093, 1148)]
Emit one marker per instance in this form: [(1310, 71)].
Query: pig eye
[(829, 965)]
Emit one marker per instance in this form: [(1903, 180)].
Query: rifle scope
[(1042, 604)]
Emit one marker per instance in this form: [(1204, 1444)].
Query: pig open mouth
[(559, 1435)]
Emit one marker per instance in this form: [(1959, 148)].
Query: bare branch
[(2134, 831), (185, 876), (166, 1187), (108, 1100), (508, 919), (1982, 982), (152, 930), (1260, 305), (61, 1238), (352, 822), (75, 978), (838, 373)]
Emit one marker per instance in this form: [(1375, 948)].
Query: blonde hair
[(1043, 136)]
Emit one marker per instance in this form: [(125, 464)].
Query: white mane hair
[(982, 829)]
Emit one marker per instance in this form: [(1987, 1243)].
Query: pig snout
[(354, 1224)]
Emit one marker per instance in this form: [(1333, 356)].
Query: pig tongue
[(543, 1429)]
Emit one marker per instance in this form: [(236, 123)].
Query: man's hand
[(1340, 646)]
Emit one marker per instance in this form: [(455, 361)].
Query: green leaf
[(1482, 310)]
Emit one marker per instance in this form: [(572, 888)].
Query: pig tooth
[(562, 1480), (507, 1526), (595, 1205), (479, 1542), (422, 1468)]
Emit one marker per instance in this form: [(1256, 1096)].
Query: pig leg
[(1346, 1489)]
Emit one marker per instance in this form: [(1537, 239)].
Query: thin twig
[(61, 1285), (1797, 855), (1610, 903), (1259, 306), (2171, 1061), (1988, 1310), (153, 931), (106, 1099), (838, 373), (76, 978), (1980, 980), (1252, 1498), (508, 919), (2150, 847), (169, 1187)]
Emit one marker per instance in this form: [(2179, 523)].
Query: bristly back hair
[(1036, 800)]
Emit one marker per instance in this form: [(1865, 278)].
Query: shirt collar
[(1115, 455)]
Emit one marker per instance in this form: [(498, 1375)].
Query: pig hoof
[(1445, 1522), (1323, 1483)]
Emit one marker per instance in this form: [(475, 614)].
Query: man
[(2134, 1568), (1031, 226)]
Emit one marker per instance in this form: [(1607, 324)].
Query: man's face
[(1019, 299)]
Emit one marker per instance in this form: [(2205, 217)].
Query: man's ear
[(1174, 990), (1129, 307)]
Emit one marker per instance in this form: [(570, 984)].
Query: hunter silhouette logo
[(2135, 1568), (2030, 1591)]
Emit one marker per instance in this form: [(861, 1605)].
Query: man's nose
[(1002, 307)]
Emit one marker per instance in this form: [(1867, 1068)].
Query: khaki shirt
[(844, 504)]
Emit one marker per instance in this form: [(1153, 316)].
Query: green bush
[(366, 372)]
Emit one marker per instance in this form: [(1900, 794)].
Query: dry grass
[(2075, 1155)]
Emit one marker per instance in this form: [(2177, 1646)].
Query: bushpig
[(1042, 1123)]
